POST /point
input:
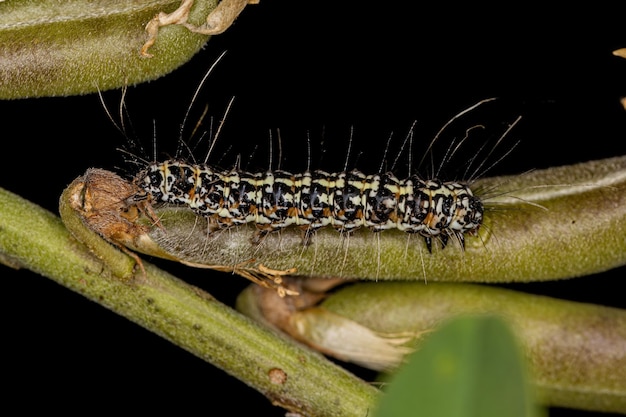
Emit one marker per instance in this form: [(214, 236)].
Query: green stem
[(289, 375), (576, 351)]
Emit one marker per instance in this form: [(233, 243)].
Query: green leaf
[(470, 367), (78, 47)]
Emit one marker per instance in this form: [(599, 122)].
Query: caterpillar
[(286, 211), (346, 201)]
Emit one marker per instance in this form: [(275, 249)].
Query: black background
[(311, 72)]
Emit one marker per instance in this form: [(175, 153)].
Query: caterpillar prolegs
[(345, 201)]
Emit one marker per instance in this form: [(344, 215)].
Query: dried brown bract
[(105, 202)]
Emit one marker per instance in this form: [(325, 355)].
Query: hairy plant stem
[(286, 373)]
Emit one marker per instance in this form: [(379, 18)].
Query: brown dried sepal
[(101, 199), (108, 205), (279, 311)]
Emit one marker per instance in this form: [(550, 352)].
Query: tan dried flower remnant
[(220, 19)]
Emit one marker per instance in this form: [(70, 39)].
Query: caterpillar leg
[(429, 243), (444, 240)]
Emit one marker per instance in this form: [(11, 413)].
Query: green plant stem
[(289, 375), (576, 351), (556, 223)]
